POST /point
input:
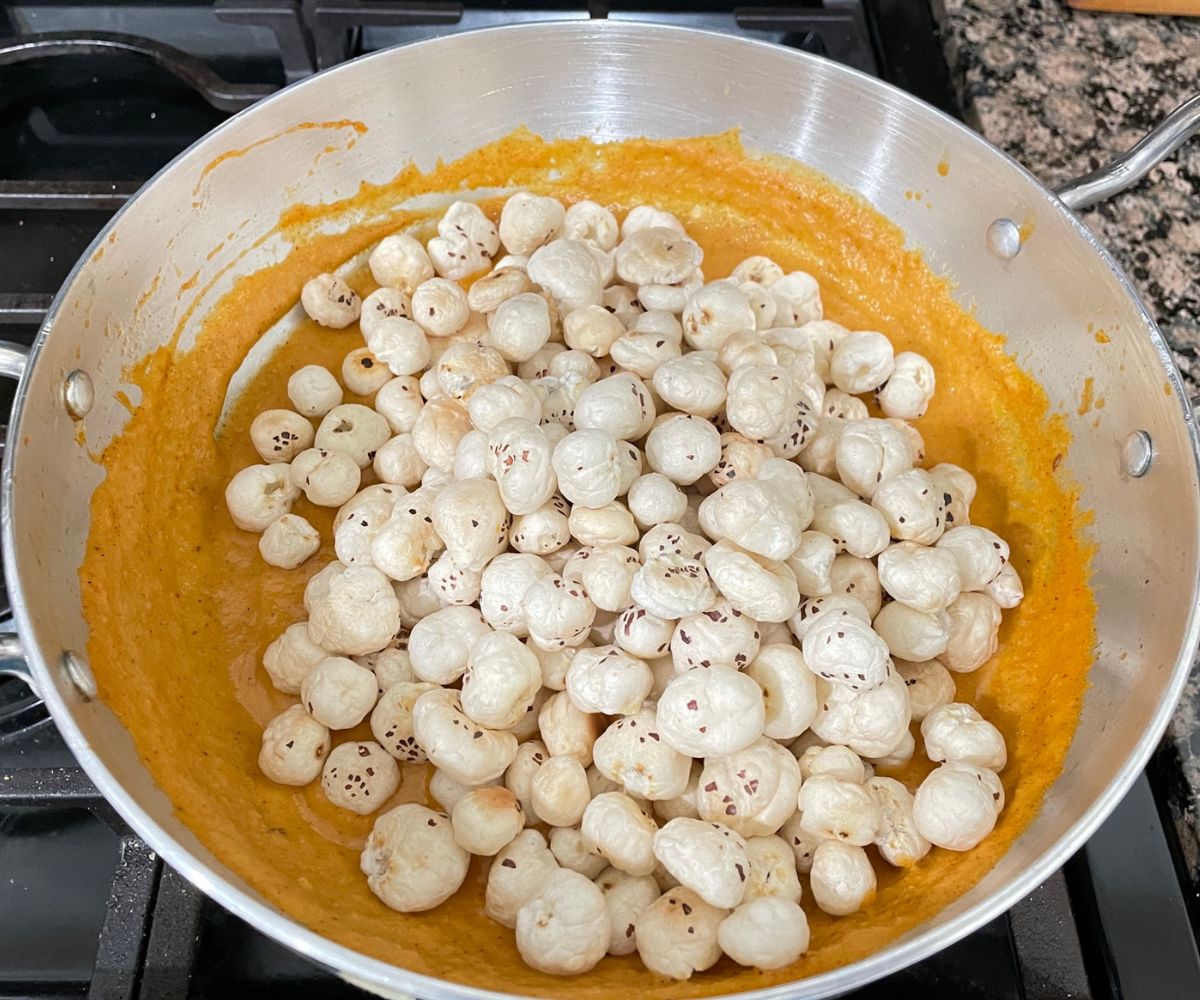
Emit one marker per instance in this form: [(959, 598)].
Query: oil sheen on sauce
[(181, 606)]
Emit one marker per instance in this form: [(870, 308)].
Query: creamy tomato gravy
[(181, 606)]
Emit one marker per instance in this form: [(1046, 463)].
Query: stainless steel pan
[(610, 80)]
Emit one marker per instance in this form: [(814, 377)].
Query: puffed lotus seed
[(570, 850), (861, 362), (872, 723), (632, 753), (836, 761), (1006, 588), (439, 307), (559, 790), (290, 657), (313, 391), (383, 304), (289, 541), (568, 271), (708, 858), (721, 634), (466, 241), (491, 291), (870, 452), (280, 435), (360, 776), (761, 588), (627, 897), (465, 366), (294, 747), (466, 751), (400, 262), (259, 495), (909, 388), (839, 810), (853, 576), (752, 791), (710, 712), (765, 933), (391, 719), (929, 684), (501, 681), (363, 373), (439, 645), (957, 732), (974, 624), (486, 820), (567, 730), (607, 681), (956, 806), (411, 860), (773, 872), (399, 402), (841, 878), (330, 301), (614, 826), (564, 929), (981, 554), (911, 634), (677, 934), (643, 634), (802, 843), (845, 651), (520, 326), (338, 692), (789, 690), (355, 430), (656, 255), (898, 839), (518, 873)]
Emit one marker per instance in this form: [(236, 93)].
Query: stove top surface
[(93, 100)]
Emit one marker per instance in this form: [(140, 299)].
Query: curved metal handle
[(13, 359), (220, 93), (1132, 165), (12, 660)]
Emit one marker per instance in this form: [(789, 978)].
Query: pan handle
[(1132, 165), (12, 659), (13, 359)]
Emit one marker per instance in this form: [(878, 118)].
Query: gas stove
[(93, 100)]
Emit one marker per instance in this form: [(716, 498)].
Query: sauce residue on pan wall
[(181, 606)]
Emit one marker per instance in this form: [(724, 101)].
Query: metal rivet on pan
[(1136, 454), (79, 394), (79, 674), (1004, 238)]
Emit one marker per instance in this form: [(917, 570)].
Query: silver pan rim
[(388, 979)]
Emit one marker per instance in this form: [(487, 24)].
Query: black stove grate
[(92, 107)]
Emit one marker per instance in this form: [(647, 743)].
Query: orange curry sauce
[(181, 606)]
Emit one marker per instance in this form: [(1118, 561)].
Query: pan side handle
[(1137, 161), (13, 358), (12, 658)]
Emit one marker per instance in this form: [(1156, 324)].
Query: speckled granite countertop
[(1063, 91)]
